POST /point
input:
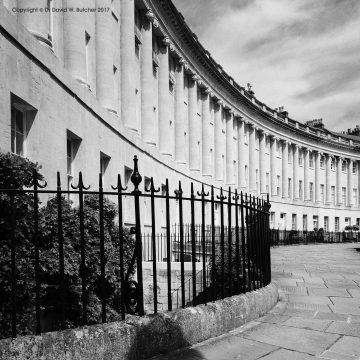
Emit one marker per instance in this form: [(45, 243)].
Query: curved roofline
[(172, 19)]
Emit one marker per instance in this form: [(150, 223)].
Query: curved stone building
[(87, 84)]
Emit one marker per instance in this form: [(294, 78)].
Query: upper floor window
[(343, 166), (50, 19), (278, 185), (354, 168), (332, 164), (311, 192), (300, 189), (104, 163), (311, 160), (22, 116), (301, 158), (18, 131), (277, 147), (289, 188), (267, 144), (355, 197), (72, 147), (290, 155), (343, 195), (87, 56), (257, 140), (333, 195), (322, 193), (322, 161)]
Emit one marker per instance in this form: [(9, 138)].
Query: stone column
[(147, 82), (284, 169), (218, 143), (180, 152), (105, 57), (296, 172), (273, 178), (306, 174), (241, 153), (194, 152), (338, 181), (206, 134), (252, 162), (317, 176), (350, 183), (164, 111), (127, 54), (262, 162), (229, 147), (37, 22), (74, 45), (327, 179)]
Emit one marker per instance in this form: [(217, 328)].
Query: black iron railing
[(291, 237), (84, 266)]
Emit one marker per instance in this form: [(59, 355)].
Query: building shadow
[(158, 338)]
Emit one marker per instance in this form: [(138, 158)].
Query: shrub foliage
[(17, 173)]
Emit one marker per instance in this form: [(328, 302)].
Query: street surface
[(318, 316)]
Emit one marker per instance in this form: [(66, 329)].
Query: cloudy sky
[(300, 54)]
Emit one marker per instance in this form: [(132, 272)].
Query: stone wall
[(141, 338)]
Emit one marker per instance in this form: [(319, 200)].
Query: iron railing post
[(136, 180)]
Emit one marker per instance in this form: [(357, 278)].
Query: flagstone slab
[(347, 345), (232, 347), (309, 299), (331, 316), (303, 340), (284, 354), (274, 318), (354, 292), (294, 289), (329, 292), (311, 324), (340, 327)]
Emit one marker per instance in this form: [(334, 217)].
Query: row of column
[(205, 146)]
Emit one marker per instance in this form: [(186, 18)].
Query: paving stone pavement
[(317, 317)]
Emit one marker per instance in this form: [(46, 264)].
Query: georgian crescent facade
[(87, 90)]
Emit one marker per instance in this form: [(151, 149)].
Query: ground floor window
[(315, 222), (293, 222), (326, 223), (304, 222), (337, 224)]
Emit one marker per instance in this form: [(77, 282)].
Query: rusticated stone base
[(140, 338)]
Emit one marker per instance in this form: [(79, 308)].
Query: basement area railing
[(81, 256)]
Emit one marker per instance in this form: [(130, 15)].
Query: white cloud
[(297, 53)]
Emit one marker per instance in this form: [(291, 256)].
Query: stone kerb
[(140, 338)]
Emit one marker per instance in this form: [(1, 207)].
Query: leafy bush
[(16, 173)]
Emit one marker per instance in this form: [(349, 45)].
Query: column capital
[(195, 78), (151, 17), (207, 90), (231, 112), (166, 41), (182, 62), (219, 102)]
